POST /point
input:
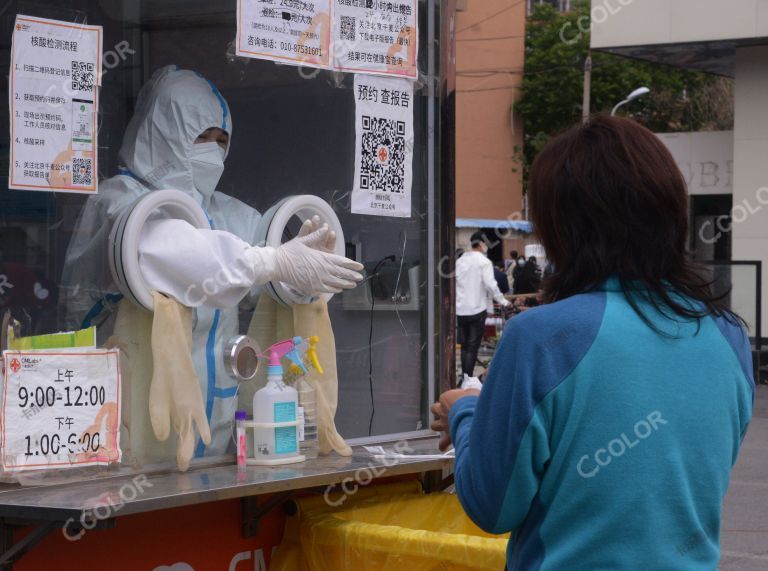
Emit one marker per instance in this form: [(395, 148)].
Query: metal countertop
[(135, 493)]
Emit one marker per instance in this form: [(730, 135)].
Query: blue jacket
[(602, 444)]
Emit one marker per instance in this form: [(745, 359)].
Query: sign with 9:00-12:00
[(60, 409)]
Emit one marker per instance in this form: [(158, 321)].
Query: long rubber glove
[(313, 319), (175, 396)]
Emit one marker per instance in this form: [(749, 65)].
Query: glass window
[(292, 132)]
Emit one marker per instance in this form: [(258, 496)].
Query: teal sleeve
[(497, 495), (502, 436)]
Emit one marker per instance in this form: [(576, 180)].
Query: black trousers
[(471, 328)]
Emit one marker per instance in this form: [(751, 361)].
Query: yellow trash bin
[(399, 530)]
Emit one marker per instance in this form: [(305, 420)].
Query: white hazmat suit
[(159, 152)]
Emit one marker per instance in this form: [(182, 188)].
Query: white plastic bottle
[(308, 441), (275, 418)]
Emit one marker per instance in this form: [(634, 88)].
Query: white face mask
[(207, 166)]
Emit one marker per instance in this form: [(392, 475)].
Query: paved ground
[(744, 535)]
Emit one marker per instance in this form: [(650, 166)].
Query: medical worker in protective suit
[(178, 139)]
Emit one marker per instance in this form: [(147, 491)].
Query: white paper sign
[(383, 146), (288, 31), (53, 96), (376, 36), (60, 409)]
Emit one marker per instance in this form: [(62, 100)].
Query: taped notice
[(60, 409), (54, 75), (288, 31), (376, 36), (379, 37), (383, 146)]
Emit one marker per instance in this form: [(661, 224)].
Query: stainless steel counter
[(136, 494)]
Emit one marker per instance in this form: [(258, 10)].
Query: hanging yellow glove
[(175, 395), (271, 322), (313, 319), (132, 334)]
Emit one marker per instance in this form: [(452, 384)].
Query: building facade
[(490, 53), (726, 38)]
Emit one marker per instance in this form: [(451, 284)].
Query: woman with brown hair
[(610, 420)]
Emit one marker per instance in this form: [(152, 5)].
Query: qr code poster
[(383, 146), (54, 79), (376, 36)]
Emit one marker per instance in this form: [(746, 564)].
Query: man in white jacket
[(474, 284)]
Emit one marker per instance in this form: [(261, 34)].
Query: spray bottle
[(275, 411), (308, 436)]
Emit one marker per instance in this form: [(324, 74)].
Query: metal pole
[(587, 103), (433, 297)]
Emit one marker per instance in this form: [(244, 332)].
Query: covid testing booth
[(226, 239)]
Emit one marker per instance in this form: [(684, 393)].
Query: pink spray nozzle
[(282, 349)]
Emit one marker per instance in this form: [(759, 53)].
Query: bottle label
[(301, 423), (285, 440), (285, 411), (285, 437)]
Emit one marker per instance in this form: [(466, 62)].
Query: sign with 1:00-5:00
[(60, 409)]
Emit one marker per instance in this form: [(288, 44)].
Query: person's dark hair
[(514, 255), (478, 238), (533, 259), (530, 273), (606, 199)]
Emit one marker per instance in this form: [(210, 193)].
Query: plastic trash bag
[(386, 527)]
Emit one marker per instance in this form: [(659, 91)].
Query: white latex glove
[(311, 225), (305, 264)]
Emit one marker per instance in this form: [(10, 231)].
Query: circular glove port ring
[(272, 228), (125, 234)]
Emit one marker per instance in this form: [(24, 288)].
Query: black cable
[(488, 89), (374, 273), (490, 39), (370, 369)]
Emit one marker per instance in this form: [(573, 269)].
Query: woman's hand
[(442, 408)]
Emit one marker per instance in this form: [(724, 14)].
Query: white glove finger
[(344, 263), (309, 226), (330, 242), (306, 228), (315, 239), (338, 283), (185, 448), (342, 273), (347, 285), (202, 426), (159, 415)]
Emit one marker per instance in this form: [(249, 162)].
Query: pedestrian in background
[(510, 269), (475, 282), (611, 417), (508, 263), (501, 278), (528, 279)]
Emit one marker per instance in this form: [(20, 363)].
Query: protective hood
[(174, 107)]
